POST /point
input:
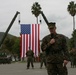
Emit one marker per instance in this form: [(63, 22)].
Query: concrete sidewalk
[(20, 69)]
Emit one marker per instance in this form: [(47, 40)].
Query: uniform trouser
[(30, 61), (43, 61), (72, 62), (56, 69)]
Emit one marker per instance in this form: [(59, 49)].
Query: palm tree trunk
[(73, 30), (73, 23), (37, 20)]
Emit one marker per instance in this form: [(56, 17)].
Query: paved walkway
[(20, 69)]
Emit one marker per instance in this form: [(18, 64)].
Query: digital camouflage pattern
[(55, 53)]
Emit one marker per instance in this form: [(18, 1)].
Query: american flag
[(30, 37)]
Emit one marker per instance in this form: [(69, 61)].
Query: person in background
[(30, 58), (73, 57), (42, 57)]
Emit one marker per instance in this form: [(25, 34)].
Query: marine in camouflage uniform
[(42, 59), (30, 58), (57, 55), (73, 57)]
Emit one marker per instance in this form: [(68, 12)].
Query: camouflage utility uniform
[(30, 58), (42, 59), (73, 58), (55, 54)]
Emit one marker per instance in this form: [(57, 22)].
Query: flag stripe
[(33, 38), (38, 38)]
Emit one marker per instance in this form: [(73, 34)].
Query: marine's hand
[(65, 62), (52, 41)]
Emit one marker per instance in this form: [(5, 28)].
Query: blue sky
[(54, 10)]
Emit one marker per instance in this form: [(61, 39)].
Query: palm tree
[(36, 9), (72, 11)]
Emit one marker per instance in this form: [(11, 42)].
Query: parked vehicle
[(5, 58)]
